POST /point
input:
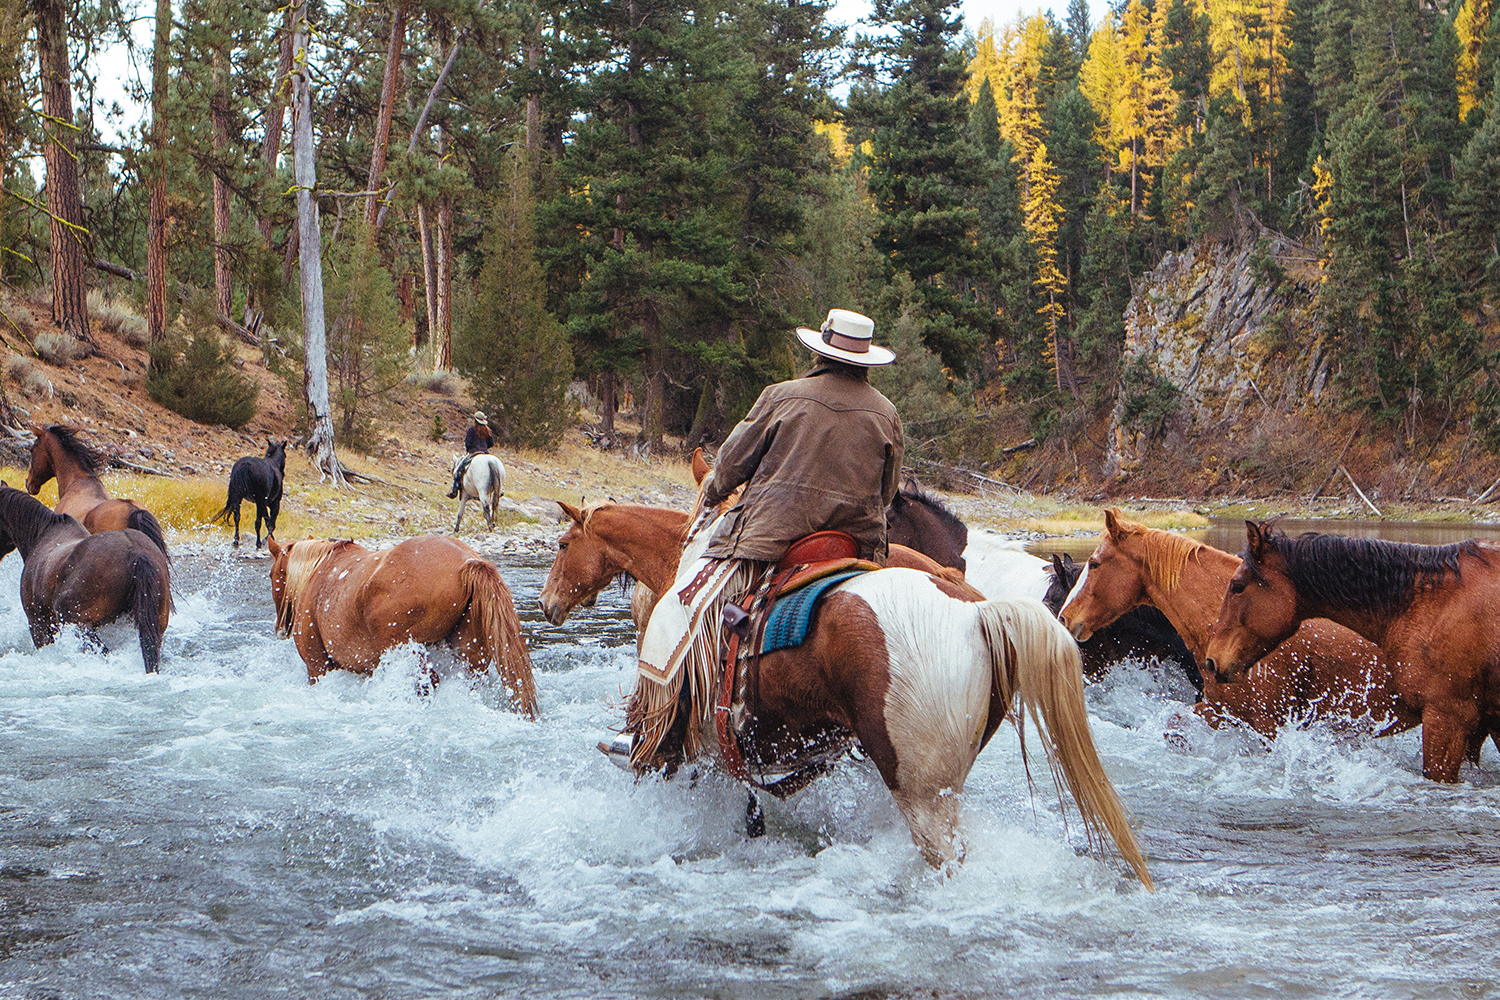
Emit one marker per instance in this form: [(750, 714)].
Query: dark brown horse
[(77, 578), (344, 606), (1325, 671), (920, 521), (58, 452), (1430, 608)]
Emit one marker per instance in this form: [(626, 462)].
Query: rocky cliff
[(1228, 326)]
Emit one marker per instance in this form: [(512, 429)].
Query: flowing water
[(224, 830)]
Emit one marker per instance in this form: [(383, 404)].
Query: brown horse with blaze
[(57, 452), (344, 606), (1430, 609)]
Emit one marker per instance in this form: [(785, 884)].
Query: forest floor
[(409, 467)]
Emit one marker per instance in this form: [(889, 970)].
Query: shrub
[(440, 383), (197, 378), (19, 320), (59, 348), (32, 380), (1147, 400), (118, 318)]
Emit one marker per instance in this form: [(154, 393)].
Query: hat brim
[(813, 341)]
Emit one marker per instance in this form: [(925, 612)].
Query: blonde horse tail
[(1037, 667), (498, 630)]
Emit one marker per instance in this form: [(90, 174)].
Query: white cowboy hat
[(480, 419), (846, 336)]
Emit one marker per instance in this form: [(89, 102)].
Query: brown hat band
[(854, 345)]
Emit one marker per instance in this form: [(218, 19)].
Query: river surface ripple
[(224, 830)]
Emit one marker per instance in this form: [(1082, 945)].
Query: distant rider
[(478, 440), (814, 453)]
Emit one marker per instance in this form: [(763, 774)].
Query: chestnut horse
[(58, 452), (920, 679), (1430, 608), (77, 578), (1324, 671), (344, 606)]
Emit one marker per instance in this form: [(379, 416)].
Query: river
[(224, 830)]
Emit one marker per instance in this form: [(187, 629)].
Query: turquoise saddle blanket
[(792, 615)]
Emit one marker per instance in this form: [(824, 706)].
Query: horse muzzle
[(1078, 629)]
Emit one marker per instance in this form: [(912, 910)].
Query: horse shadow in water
[(480, 477), (259, 480), (77, 578)]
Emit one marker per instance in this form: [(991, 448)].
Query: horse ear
[(571, 511), (1058, 567), (701, 468), (1112, 520), (1255, 538), (274, 547)]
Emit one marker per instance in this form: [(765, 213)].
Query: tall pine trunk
[(219, 114), (156, 207), (314, 334), (275, 117), (442, 336), (69, 238), (393, 56)]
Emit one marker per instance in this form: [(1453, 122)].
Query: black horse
[(257, 479), (1142, 632)]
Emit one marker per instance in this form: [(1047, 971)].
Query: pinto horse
[(78, 578), (58, 452), (1430, 609), (920, 680), (1324, 671), (259, 480), (344, 606)]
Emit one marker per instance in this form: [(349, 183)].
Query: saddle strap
[(729, 741)]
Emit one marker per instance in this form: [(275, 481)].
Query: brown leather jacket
[(818, 452)]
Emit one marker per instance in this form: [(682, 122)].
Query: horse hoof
[(755, 819)]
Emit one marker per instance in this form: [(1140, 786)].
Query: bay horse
[(996, 567), (483, 480), (57, 452), (344, 606), (1430, 608), (75, 577), (259, 480), (921, 679), (1324, 671), (920, 521), (1143, 631)]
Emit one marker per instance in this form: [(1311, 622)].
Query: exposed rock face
[(1225, 337)]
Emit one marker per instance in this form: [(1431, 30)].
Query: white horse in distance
[(483, 480)]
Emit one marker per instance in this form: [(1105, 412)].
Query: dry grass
[(59, 348), (117, 316)]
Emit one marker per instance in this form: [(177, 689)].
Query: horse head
[(1112, 582), (1259, 610), (276, 452), (279, 558), (291, 568), (920, 521), (584, 565), (41, 461), (1065, 573)]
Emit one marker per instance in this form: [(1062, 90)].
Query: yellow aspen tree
[(1043, 220), (1102, 80), (1472, 25)]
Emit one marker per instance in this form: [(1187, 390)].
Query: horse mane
[(913, 493), (302, 560), (1365, 573), (1164, 553), (87, 458), (41, 518)]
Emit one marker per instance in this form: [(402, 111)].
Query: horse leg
[(44, 626), (462, 503), (236, 525), (273, 511), (755, 819), (1447, 731), (260, 515)]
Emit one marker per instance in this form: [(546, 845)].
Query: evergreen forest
[(648, 195)]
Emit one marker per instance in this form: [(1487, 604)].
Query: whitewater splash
[(224, 829)]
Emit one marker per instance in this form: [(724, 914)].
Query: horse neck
[(1193, 605), (645, 541), (71, 478), (26, 525)]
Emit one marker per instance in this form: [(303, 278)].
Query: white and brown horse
[(344, 606), (919, 677)]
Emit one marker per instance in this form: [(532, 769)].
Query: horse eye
[(1237, 587), (1093, 564), (561, 546)]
